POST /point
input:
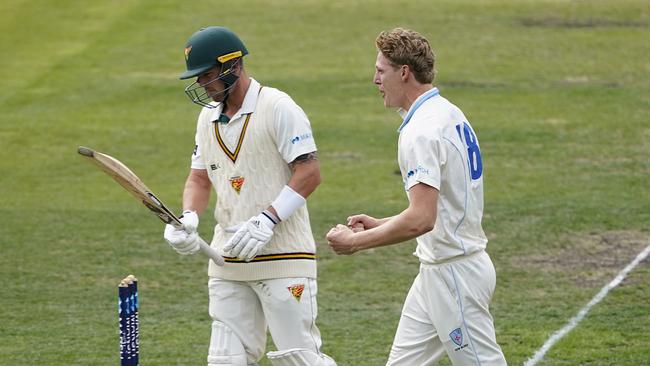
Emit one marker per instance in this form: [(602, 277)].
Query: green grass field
[(557, 91)]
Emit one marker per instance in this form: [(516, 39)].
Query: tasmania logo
[(236, 183), (296, 291), (188, 49)]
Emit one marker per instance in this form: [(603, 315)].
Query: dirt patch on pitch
[(592, 260)]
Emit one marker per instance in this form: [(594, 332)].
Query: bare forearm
[(305, 174), (305, 177), (417, 219), (384, 220), (391, 230), (196, 193)]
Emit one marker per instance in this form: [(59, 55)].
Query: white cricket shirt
[(431, 151), (292, 129), (248, 172)]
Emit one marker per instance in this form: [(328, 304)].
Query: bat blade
[(126, 178)]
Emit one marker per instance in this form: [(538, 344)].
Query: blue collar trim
[(421, 99)]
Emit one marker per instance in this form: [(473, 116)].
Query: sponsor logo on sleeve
[(298, 138), (412, 172), (419, 169)]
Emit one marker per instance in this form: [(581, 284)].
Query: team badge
[(296, 291), (456, 336), (236, 183), (188, 49)]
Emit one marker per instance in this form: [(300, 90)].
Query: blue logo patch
[(298, 138), (456, 336), (418, 169)]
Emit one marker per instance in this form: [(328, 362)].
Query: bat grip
[(207, 250)]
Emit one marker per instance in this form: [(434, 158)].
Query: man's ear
[(236, 67), (405, 70)]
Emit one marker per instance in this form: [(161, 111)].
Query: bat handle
[(207, 250)]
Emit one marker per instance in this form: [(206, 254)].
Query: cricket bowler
[(447, 308)]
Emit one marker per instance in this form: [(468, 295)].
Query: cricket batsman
[(255, 148)]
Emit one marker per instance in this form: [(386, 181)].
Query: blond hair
[(407, 47)]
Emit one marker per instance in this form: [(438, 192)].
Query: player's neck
[(413, 93), (237, 95)]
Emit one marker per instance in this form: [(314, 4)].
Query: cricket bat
[(129, 181)]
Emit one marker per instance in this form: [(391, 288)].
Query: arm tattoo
[(304, 158)]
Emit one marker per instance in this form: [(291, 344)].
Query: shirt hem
[(252, 271)]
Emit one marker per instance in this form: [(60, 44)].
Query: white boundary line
[(539, 355)]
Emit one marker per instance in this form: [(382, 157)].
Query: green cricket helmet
[(210, 47)]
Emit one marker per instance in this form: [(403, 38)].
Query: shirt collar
[(248, 105), (250, 100), (414, 107)]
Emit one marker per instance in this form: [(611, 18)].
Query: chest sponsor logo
[(236, 183), (296, 291)]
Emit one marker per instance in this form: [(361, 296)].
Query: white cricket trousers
[(447, 310), (286, 305)]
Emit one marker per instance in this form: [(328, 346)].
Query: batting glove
[(183, 242), (251, 237), (190, 221)]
